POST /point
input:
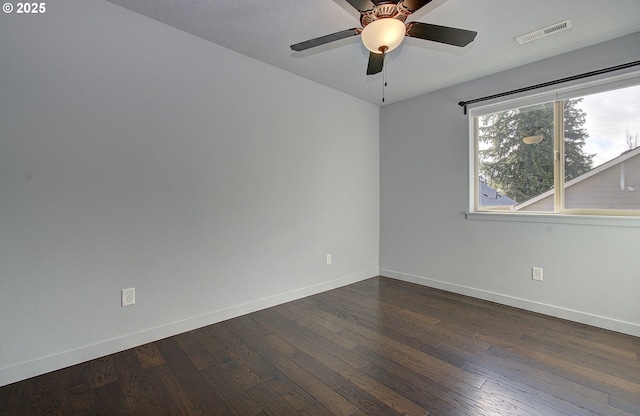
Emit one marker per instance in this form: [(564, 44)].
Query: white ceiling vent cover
[(545, 31)]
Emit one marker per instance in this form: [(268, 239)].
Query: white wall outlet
[(536, 273), (328, 259), (128, 296)]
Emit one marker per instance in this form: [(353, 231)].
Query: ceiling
[(263, 30)]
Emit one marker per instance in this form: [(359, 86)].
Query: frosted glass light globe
[(533, 139), (386, 33)]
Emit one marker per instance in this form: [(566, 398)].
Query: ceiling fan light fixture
[(537, 138), (383, 35)]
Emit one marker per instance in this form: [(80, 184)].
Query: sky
[(609, 115)]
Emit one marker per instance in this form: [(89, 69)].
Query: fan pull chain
[(384, 75)]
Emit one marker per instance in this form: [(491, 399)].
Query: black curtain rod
[(546, 84)]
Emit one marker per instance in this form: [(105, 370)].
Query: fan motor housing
[(385, 10)]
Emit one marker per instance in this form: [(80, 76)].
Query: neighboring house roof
[(489, 197), (598, 169)]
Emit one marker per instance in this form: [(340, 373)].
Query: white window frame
[(624, 218)]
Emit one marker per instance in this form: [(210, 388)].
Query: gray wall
[(591, 273), (136, 155)]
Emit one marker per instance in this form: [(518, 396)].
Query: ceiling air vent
[(545, 31)]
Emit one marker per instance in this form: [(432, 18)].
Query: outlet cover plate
[(128, 296), (536, 273)]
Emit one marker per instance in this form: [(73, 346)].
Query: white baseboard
[(529, 305), (58, 361)]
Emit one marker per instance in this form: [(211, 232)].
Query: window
[(567, 152)]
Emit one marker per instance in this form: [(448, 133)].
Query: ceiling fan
[(383, 28)]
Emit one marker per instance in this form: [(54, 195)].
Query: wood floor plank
[(327, 396), (231, 393), (364, 400), (475, 314), (264, 396), (623, 350), (378, 347), (269, 401), (74, 375), (541, 380), (110, 400), (236, 399), (307, 318), (203, 397), (412, 333), (631, 407), (300, 338), (313, 363), (560, 346), (139, 395), (301, 400), (149, 355), (569, 369), (225, 358), (543, 400), (14, 398), (101, 371), (432, 367), (457, 399), (46, 395), (316, 324), (323, 364), (169, 391), (195, 351), (335, 344), (79, 400)]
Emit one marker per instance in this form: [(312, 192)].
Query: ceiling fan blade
[(414, 5), (441, 34), (361, 5), (324, 39), (376, 61)]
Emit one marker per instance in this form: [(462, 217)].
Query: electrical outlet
[(328, 259), (128, 296), (536, 273)]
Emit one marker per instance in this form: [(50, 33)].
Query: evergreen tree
[(522, 171), (576, 162)]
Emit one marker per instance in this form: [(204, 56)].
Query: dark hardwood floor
[(378, 347)]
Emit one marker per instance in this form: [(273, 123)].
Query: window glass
[(587, 164), (515, 160), (602, 151)]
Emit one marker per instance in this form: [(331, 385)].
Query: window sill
[(599, 220)]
